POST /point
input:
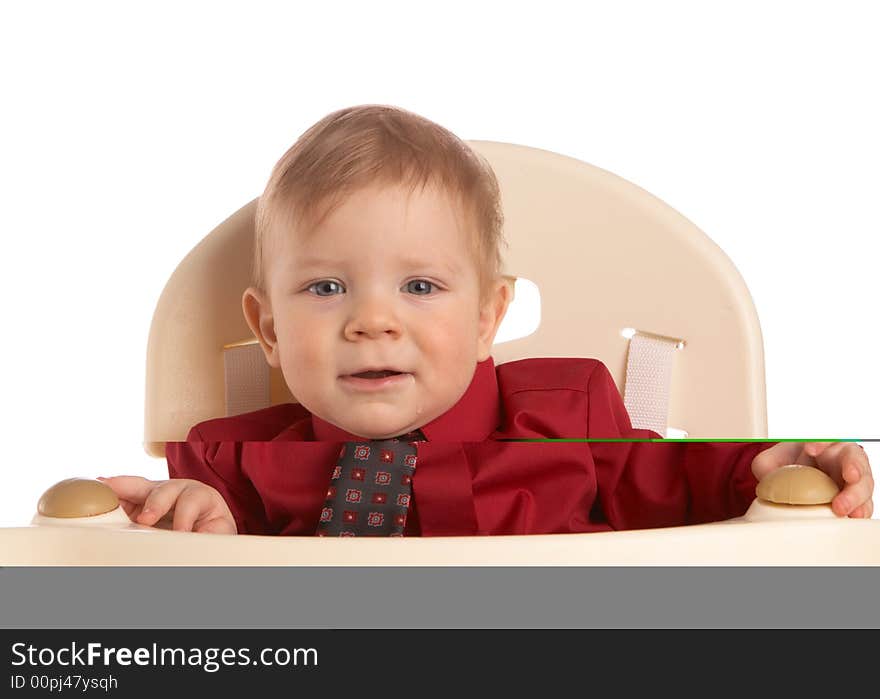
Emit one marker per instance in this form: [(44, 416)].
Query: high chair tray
[(805, 542)]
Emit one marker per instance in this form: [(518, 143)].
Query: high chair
[(622, 277)]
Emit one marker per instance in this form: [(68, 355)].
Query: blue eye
[(326, 287), (420, 287)]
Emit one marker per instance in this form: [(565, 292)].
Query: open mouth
[(376, 374), (376, 380)]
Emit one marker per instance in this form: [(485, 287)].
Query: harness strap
[(648, 380), (247, 377)]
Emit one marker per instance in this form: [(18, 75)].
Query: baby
[(378, 293)]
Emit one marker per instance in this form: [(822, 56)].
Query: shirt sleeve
[(218, 464), (656, 484), (651, 484)]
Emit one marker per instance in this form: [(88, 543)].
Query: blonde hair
[(371, 144)]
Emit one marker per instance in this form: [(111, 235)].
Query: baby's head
[(377, 250)]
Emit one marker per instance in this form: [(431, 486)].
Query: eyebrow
[(315, 262), (309, 262), (415, 262)]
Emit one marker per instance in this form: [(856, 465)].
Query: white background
[(129, 132)]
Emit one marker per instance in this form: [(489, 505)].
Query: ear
[(258, 314), (492, 312)]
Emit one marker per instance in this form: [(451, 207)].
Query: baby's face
[(387, 283)]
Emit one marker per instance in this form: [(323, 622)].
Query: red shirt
[(273, 466)]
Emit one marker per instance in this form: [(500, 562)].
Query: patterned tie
[(371, 488)]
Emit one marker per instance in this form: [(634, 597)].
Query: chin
[(380, 430), (381, 433)]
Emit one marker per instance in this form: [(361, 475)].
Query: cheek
[(306, 352), (304, 345), (450, 339), (304, 365)]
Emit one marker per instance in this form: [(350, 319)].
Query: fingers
[(865, 511), (845, 462), (201, 509), (189, 507), (161, 500), (813, 449), (189, 504), (856, 467), (848, 464), (134, 489), (828, 458), (220, 525), (776, 456), (132, 509), (131, 491)]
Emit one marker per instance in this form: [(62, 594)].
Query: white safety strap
[(247, 378), (648, 380)]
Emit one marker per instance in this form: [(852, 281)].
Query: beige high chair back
[(622, 277)]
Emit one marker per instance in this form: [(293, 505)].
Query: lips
[(375, 374), (372, 381)]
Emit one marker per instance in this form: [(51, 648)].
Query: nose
[(372, 317)]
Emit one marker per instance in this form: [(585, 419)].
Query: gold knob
[(797, 485), (77, 497)]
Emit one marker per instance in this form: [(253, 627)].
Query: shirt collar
[(472, 419)]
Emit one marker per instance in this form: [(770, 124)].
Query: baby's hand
[(845, 462), (195, 506)]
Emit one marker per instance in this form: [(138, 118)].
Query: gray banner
[(440, 597)]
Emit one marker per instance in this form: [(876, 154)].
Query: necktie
[(370, 488)]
